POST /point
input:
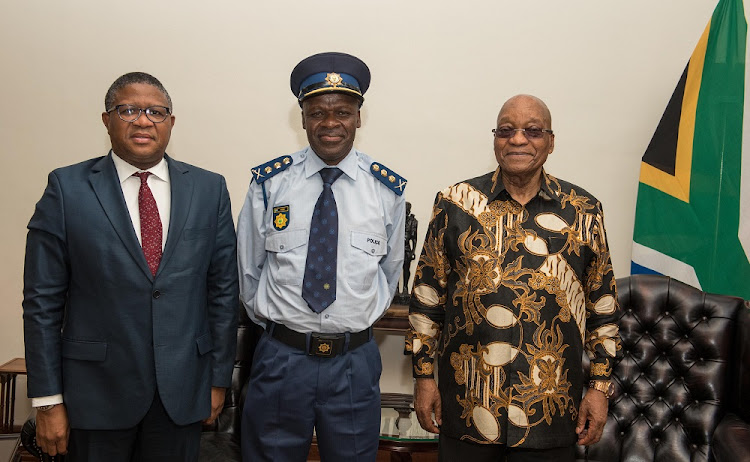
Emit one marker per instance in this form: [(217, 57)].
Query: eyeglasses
[(529, 133), (130, 113)]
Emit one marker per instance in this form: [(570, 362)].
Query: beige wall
[(441, 70)]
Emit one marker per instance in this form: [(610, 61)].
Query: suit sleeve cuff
[(46, 400)]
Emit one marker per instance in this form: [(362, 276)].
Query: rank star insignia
[(334, 79), (280, 217)]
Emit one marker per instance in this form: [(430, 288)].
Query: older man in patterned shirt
[(514, 284)]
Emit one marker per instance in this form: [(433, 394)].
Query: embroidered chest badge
[(280, 217)]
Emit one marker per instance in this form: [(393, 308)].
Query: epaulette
[(391, 179), (265, 171)]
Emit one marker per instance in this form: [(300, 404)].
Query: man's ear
[(105, 119), (303, 120)]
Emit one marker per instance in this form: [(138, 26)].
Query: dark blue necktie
[(319, 284)]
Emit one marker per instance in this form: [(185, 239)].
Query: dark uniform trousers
[(290, 394)]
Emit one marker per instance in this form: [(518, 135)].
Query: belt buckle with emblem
[(322, 345), (280, 217)]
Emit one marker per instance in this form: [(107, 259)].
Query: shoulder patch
[(265, 171), (391, 179)]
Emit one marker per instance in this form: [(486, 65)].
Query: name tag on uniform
[(372, 243)]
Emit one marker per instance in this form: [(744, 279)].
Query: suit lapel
[(181, 186), (108, 191)]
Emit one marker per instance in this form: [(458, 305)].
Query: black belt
[(324, 345)]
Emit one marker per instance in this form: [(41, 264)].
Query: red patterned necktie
[(150, 224)]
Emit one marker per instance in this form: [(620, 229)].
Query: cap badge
[(334, 79)]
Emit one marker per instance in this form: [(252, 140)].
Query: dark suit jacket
[(99, 328)]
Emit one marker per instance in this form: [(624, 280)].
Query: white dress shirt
[(158, 182)]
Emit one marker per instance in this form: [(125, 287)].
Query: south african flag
[(693, 210)]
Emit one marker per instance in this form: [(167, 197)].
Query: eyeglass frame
[(524, 131), (141, 111)]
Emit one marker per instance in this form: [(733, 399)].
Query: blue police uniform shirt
[(272, 234)]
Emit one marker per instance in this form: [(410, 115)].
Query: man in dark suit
[(130, 293)]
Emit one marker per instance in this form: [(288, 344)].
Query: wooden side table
[(395, 320), (20, 455), (407, 438), (403, 450), (8, 373)]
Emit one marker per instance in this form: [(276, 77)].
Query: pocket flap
[(372, 243), (285, 241), (197, 233), (205, 343), (84, 350)]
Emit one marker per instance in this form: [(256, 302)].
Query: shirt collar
[(496, 187), (348, 164), (126, 170)]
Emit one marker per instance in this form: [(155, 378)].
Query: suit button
[(156, 294)]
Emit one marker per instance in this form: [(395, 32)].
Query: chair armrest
[(731, 440), (28, 440), (219, 447)]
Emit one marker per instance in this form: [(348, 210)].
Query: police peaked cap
[(330, 72)]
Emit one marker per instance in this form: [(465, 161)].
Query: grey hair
[(129, 79)]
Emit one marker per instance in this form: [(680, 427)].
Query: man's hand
[(52, 430), (217, 404), (427, 401), (594, 410)]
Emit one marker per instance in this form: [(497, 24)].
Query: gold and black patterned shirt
[(509, 297)]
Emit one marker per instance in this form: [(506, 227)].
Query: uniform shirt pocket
[(367, 248), (288, 254)]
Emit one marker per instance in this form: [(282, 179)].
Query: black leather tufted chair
[(682, 378)]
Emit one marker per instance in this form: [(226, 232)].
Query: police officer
[(321, 246)]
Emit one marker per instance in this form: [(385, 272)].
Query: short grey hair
[(129, 79)]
